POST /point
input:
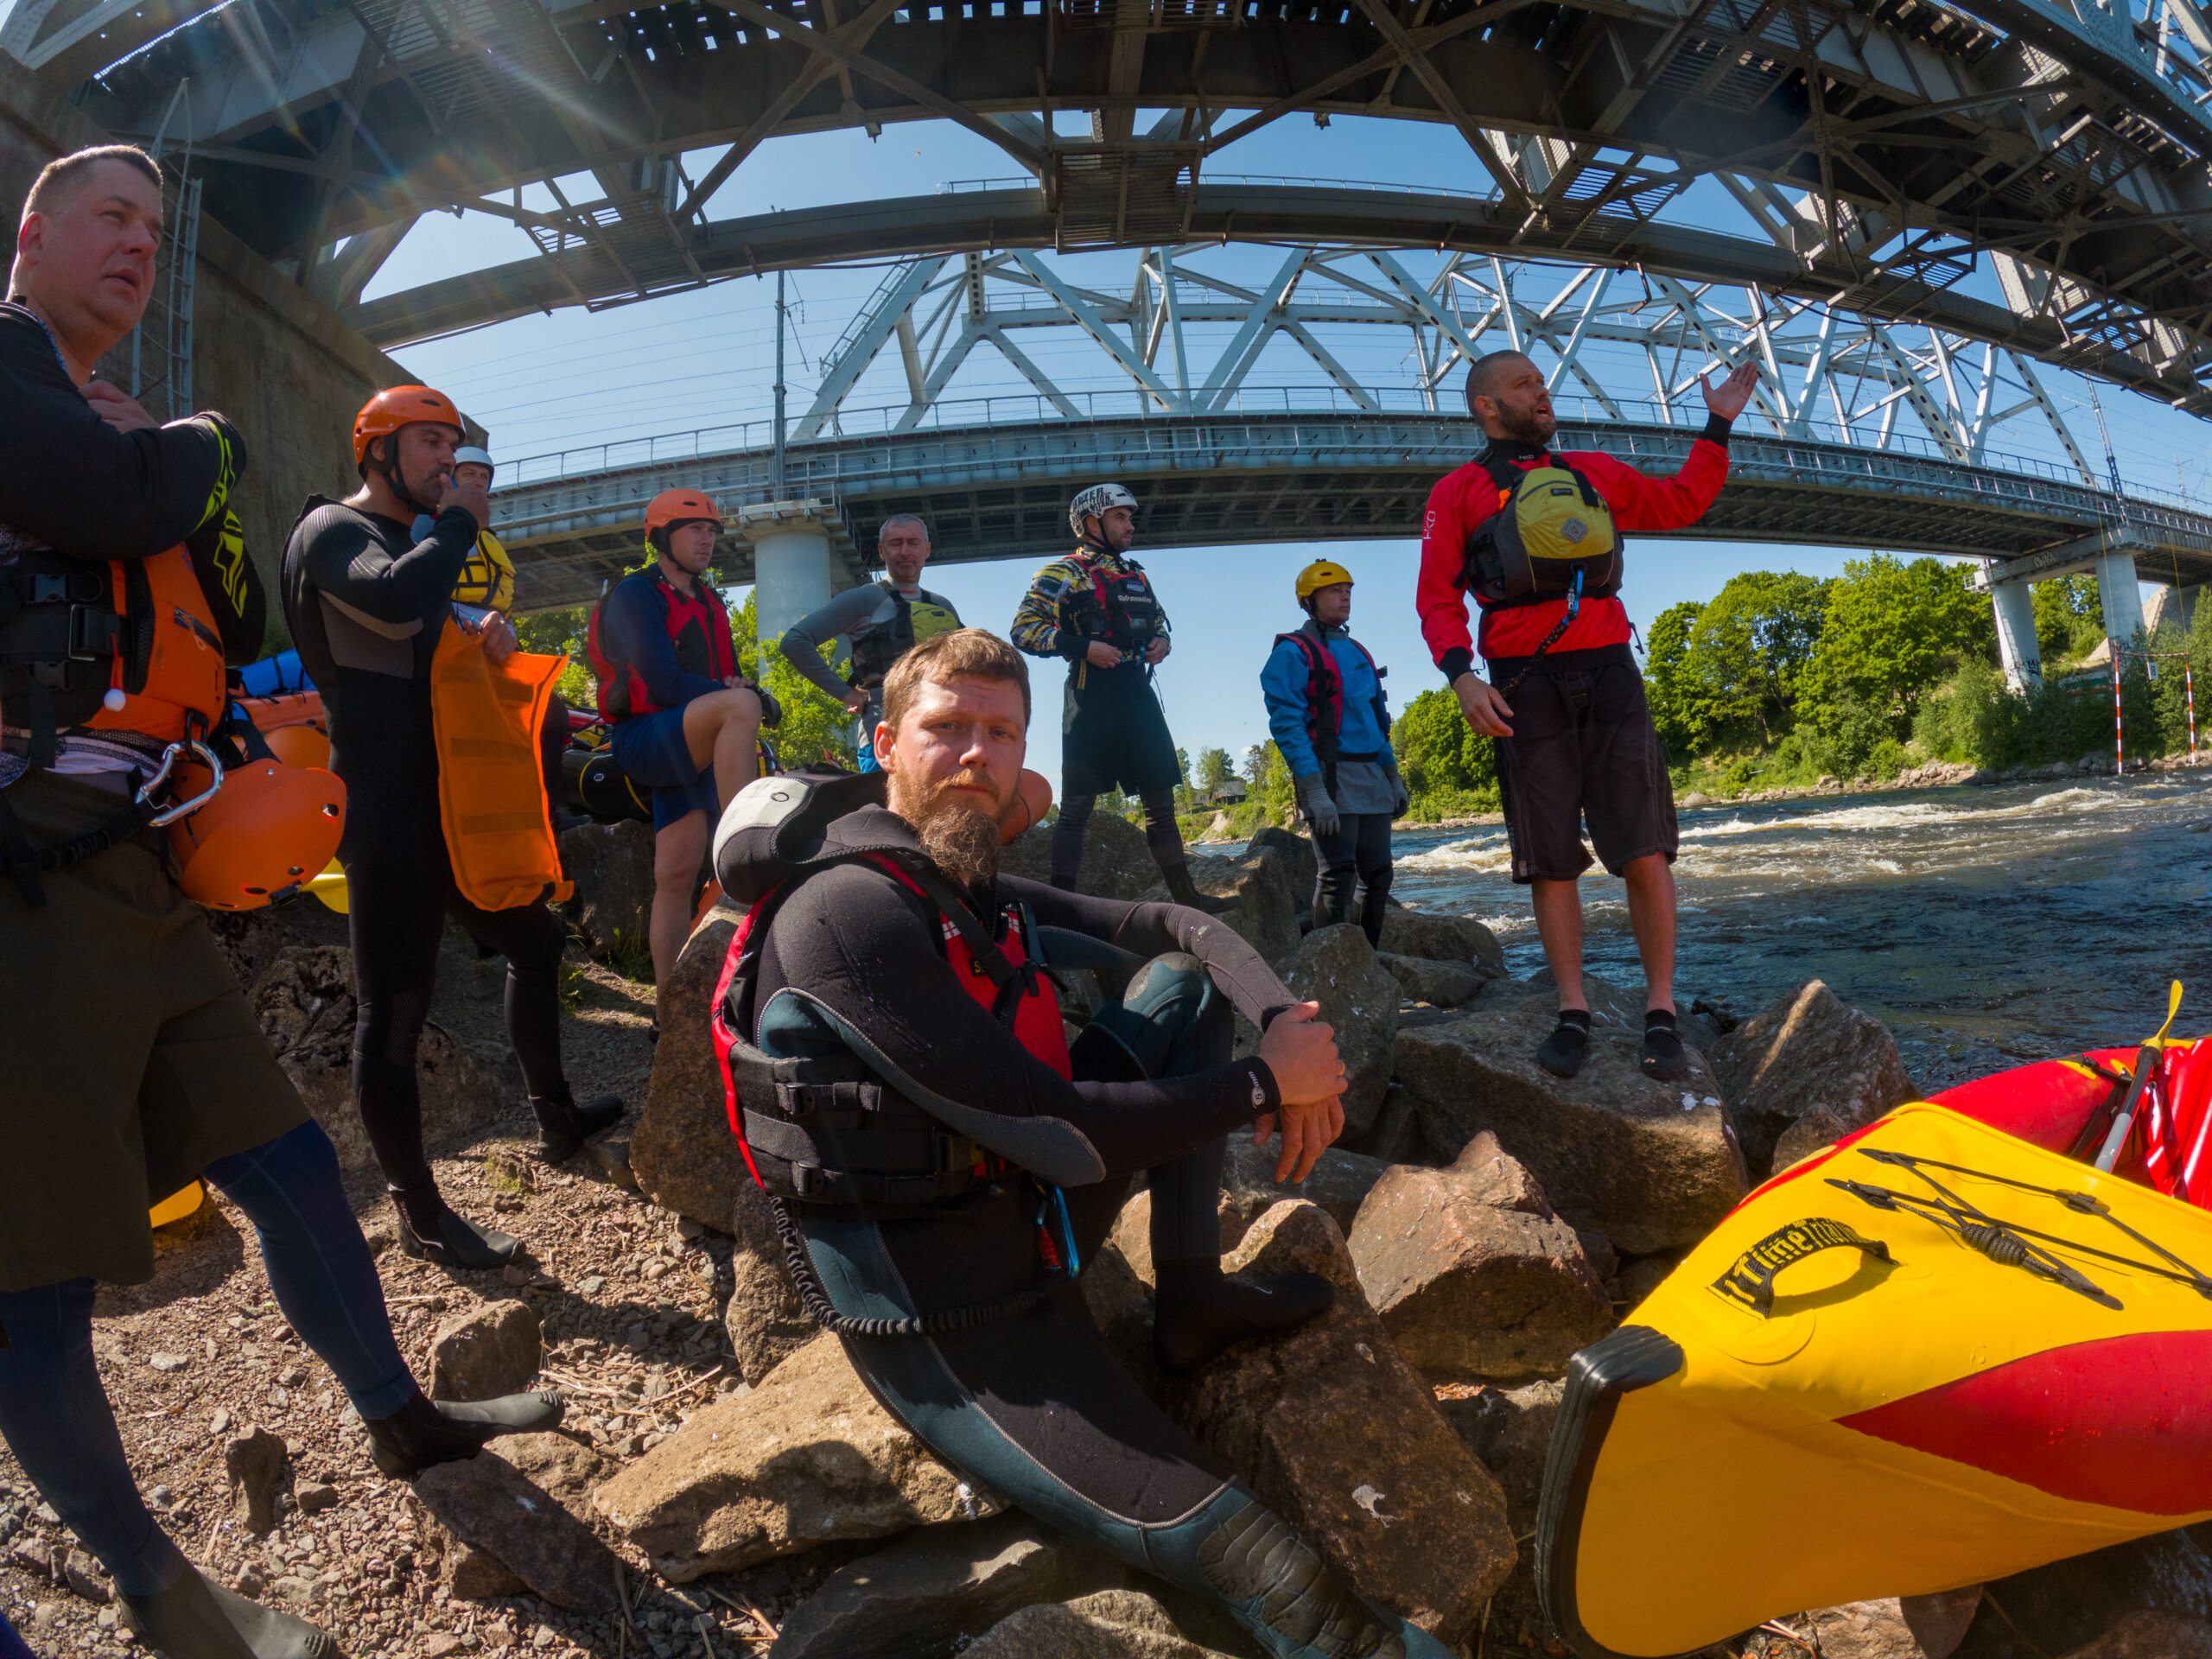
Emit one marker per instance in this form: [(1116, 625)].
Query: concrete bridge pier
[(794, 568), (2014, 603), (2122, 598)]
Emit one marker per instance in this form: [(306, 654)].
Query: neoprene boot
[(1202, 1312), (451, 1241), (195, 1619), (564, 1126), (1185, 892), (424, 1432)]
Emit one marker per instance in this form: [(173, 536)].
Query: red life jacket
[(698, 625), (830, 1131), (1325, 693), (1119, 607)]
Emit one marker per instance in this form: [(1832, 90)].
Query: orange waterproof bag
[(491, 799)]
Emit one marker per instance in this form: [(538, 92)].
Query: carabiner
[(161, 820)]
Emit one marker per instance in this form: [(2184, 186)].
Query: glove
[(771, 712), (1400, 801), (1321, 811)]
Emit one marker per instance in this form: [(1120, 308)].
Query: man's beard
[(961, 838), (1532, 429)]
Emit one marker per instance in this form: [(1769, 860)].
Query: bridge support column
[(2122, 598), (793, 571), (2014, 603)]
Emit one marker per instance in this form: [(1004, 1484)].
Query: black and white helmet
[(1094, 502)]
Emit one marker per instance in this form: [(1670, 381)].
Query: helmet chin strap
[(396, 483)]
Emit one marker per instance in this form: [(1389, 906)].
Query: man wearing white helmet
[(1096, 608)]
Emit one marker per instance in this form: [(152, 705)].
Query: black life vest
[(875, 651), (831, 1131), (1117, 606), (1324, 699), (698, 623), (1531, 550)]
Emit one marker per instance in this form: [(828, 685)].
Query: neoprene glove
[(1400, 801), (1321, 811)]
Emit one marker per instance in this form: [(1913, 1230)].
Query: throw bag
[(491, 788), (1550, 526)]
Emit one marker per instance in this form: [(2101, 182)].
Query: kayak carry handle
[(1749, 1283)]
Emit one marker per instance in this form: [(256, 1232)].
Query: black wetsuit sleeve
[(75, 483), (1148, 930), (860, 945), (230, 585), (346, 560)]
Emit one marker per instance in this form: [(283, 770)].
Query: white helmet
[(469, 455), (1094, 502)]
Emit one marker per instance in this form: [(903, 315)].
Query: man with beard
[(1565, 703), (905, 1085)]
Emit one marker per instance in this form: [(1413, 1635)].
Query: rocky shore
[(724, 1485)]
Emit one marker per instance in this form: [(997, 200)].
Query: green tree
[(1448, 769), (560, 634), (2069, 618), (1213, 770), (1891, 631), (1266, 776), (1745, 653), (1663, 682), (815, 728)]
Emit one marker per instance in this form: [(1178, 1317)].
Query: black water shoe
[(1202, 1312), (195, 1619), (449, 1240), (564, 1126), (423, 1431), (1562, 1054), (1664, 1057)]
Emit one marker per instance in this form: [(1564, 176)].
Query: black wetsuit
[(366, 604), (1037, 1407)]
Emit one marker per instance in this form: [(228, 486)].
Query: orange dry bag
[(491, 799)]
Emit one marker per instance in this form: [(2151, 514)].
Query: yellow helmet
[(1322, 573)]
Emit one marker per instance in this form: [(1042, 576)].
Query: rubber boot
[(423, 1433), (195, 1619), (1185, 892), (449, 1240), (1277, 1586), (1202, 1312), (564, 1126)]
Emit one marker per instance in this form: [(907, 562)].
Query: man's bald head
[(1506, 393)]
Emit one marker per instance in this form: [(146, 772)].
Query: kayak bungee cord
[(1997, 1240)]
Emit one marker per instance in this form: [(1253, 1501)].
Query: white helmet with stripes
[(1094, 503)]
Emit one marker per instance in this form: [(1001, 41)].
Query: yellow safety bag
[(491, 799)]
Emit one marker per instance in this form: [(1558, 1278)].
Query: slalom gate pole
[(2189, 686), (2119, 731)]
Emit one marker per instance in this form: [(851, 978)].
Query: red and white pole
[(2119, 731), (2189, 684)]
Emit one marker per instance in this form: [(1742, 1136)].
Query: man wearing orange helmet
[(685, 720), (132, 1063), (368, 602)]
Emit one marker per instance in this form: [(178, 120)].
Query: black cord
[(819, 1308)]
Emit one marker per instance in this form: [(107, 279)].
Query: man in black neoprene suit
[(1035, 1406)]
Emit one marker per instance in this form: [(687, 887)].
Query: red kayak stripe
[(2120, 1422)]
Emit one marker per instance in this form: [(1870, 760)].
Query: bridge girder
[(1888, 142)]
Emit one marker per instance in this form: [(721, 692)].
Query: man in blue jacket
[(1326, 710)]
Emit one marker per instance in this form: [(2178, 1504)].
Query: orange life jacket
[(491, 784)]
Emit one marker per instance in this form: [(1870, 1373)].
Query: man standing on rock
[(133, 1065), (1096, 609), (937, 1230), (883, 619), (1533, 537)]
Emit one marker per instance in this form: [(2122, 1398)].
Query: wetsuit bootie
[(1664, 1057), (1562, 1054), (423, 1433), (1202, 1312), (451, 1241), (1185, 892), (564, 1126), (195, 1619)]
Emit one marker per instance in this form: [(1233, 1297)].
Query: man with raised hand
[(1533, 536)]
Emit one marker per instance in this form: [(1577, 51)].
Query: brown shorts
[(1583, 751), (129, 1059)]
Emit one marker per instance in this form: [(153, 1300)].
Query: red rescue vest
[(698, 625)]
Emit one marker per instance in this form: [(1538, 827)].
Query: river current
[(1986, 927)]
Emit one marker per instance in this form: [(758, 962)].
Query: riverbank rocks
[(1300, 868), (305, 1004), (806, 1457), (1336, 968), (259, 1466), (1473, 1276), (1338, 1183), (1264, 913), (612, 866), (2145, 1635), (1651, 1164), (489, 1504), (681, 1151), (930, 1593), (1913, 1627), (487, 1352), (1798, 1075), (1341, 1438), (1116, 864), (1439, 984), (1439, 937), (1107, 1624)]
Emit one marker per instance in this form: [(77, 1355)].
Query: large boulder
[(1337, 968), (806, 1457), (1439, 984), (1911, 1627), (1107, 1625), (928, 1593), (304, 1001), (1338, 1183), (1651, 1164), (1117, 863), (1265, 913), (488, 1503), (681, 1151), (1299, 866), (1474, 1277), (1342, 1440), (1805, 1071), (1408, 932), (612, 866), (1510, 1430)]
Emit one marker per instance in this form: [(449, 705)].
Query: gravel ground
[(629, 1296)]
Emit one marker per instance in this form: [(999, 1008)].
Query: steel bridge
[(1882, 151)]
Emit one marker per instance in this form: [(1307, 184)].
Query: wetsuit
[(1037, 1407), (366, 603), (883, 622)]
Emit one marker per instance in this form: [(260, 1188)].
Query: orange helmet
[(389, 410), (303, 747), (269, 827), (678, 507)]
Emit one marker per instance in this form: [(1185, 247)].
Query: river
[(1986, 927)]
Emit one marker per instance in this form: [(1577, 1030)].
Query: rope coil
[(819, 1308)]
